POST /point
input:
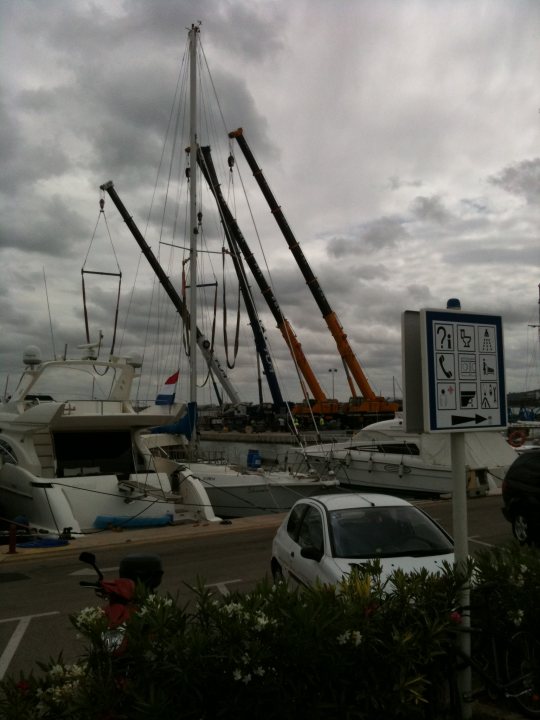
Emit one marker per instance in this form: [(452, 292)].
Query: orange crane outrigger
[(370, 403)]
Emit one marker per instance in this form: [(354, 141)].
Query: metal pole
[(461, 554), (193, 213), (333, 371)]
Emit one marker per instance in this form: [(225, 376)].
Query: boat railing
[(93, 407)]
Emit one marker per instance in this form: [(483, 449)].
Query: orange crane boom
[(371, 402)]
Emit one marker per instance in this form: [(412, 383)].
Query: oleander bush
[(365, 649), (507, 590)]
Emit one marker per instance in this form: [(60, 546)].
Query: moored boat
[(384, 457), (72, 455)]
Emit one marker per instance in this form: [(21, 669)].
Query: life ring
[(517, 437)]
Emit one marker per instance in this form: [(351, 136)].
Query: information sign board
[(463, 367)]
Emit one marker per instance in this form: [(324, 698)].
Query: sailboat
[(233, 491)]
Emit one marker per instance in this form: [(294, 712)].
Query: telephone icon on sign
[(448, 373)]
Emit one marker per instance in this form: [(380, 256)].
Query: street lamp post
[(333, 371)]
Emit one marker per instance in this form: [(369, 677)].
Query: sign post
[(462, 384)]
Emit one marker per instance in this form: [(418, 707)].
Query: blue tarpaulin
[(43, 543), (103, 522)]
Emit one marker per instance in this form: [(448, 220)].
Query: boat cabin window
[(73, 383), (95, 453), (390, 448)]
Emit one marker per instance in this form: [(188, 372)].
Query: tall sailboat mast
[(193, 36)]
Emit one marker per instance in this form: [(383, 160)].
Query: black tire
[(521, 528), (522, 661)]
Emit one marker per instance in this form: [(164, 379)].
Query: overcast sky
[(400, 137)]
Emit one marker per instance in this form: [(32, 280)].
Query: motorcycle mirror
[(90, 559)]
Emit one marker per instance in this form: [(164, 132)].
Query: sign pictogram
[(462, 360)]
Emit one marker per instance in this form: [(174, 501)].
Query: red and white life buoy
[(517, 437)]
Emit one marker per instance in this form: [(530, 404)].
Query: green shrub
[(360, 650), (507, 590)]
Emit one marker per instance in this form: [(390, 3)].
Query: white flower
[(232, 608), (262, 620), (237, 674), (155, 602), (89, 617), (260, 671), (354, 636), (56, 671), (246, 678), (517, 617)]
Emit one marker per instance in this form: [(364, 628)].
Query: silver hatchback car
[(323, 537)]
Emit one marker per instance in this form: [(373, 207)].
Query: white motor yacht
[(72, 454), (385, 457)]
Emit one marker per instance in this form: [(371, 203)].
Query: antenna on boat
[(49, 311), (92, 348)]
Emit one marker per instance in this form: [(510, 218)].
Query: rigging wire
[(118, 274), (271, 282)]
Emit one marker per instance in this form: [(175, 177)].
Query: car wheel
[(277, 572), (520, 528)]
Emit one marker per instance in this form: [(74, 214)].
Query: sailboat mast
[(193, 33)]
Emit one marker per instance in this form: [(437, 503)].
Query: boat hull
[(56, 504), (249, 499), (385, 473)]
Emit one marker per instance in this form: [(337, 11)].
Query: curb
[(111, 538)]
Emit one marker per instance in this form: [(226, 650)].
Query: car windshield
[(376, 532)]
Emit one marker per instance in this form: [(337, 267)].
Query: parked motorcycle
[(120, 593)]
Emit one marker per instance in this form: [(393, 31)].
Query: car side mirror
[(311, 553)]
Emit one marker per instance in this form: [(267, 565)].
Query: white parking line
[(473, 539), (22, 623), (91, 571), (222, 586)]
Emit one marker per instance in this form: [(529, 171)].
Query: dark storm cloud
[(430, 209), (513, 253), (117, 103), (396, 183), (25, 160), (384, 232), (352, 110), (49, 227), (521, 179)]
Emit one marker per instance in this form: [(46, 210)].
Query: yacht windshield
[(377, 532), (82, 382)]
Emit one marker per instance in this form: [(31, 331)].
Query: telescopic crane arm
[(202, 342), (206, 164), (231, 226), (371, 403)]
